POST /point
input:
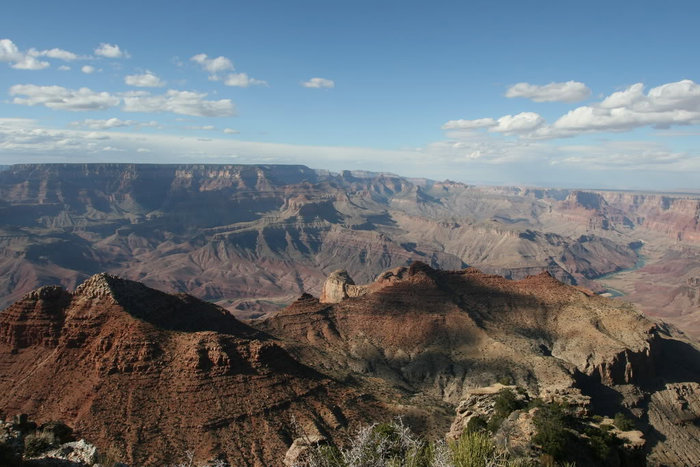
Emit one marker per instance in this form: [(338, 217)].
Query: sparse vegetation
[(476, 423), (38, 443), (622, 422), (553, 422), (394, 445), (506, 403)]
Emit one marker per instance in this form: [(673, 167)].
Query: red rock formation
[(146, 375)]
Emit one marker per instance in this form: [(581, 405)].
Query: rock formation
[(443, 334), (252, 238), (338, 286), (149, 376)]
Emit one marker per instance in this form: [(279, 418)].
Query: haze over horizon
[(590, 96)]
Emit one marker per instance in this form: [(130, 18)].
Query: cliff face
[(149, 375)]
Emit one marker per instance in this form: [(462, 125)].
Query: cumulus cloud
[(662, 107), (96, 124), (29, 60), (111, 51), (59, 54), (88, 69), (64, 68), (213, 65), (319, 83), (146, 80), (231, 131), (469, 124), (570, 91), (242, 80), (57, 97), (9, 52), (179, 102), (523, 122)]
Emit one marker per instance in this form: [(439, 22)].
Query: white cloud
[(9, 52), (94, 124), (213, 65), (64, 68), (111, 51), (146, 80), (59, 54), (179, 102), (57, 97), (242, 80), (231, 131), (570, 91), (30, 63), (523, 122), (469, 124), (19, 60), (201, 127), (87, 69), (663, 106), (318, 83)]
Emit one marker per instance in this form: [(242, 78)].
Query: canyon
[(253, 238)]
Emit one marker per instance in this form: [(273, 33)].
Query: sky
[(545, 93)]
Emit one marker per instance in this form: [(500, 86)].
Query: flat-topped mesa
[(339, 286)]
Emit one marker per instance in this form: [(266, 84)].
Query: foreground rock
[(147, 376), (443, 334)]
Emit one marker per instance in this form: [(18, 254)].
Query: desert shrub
[(506, 380), (622, 422), (602, 441), (393, 445), (476, 423), (477, 449), (380, 445), (38, 443), (60, 431), (506, 402), (553, 423)]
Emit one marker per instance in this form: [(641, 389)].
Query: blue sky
[(574, 94)]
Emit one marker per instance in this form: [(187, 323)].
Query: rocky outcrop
[(148, 376), (446, 334), (339, 286)]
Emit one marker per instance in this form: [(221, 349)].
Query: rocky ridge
[(149, 376)]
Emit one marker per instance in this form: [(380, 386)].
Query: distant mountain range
[(253, 238)]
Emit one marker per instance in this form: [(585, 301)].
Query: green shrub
[(476, 423), (553, 423), (623, 423), (506, 403)]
